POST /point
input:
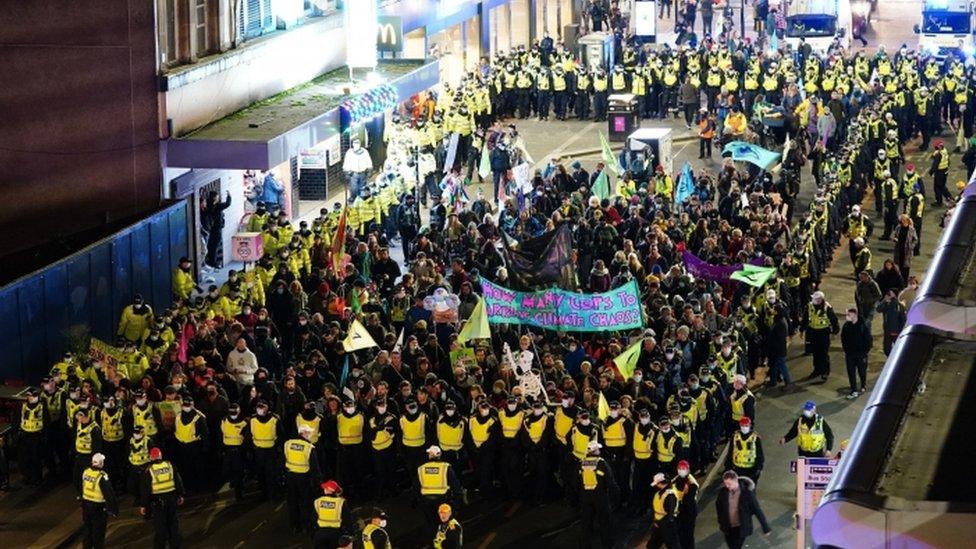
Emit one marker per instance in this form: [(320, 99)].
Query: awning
[(274, 130)]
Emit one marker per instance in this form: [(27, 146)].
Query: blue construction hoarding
[(82, 295)]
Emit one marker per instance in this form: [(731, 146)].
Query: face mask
[(450, 413), (350, 410), (247, 310), (745, 430), (771, 299), (638, 378), (84, 405), (381, 410), (33, 400), (669, 356), (382, 524), (302, 322), (483, 412), (537, 411), (412, 409), (565, 403), (186, 408), (262, 412), (108, 405), (682, 473), (262, 317), (584, 422), (138, 436), (141, 401), (666, 430), (694, 386), (614, 413), (808, 413), (851, 318), (511, 407), (817, 301), (726, 352)]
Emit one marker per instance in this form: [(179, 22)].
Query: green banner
[(556, 309)]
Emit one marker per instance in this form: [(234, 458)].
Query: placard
[(246, 247), (645, 18)]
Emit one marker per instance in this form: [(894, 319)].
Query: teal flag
[(753, 275), (556, 309), (740, 151), (608, 157), (601, 185)]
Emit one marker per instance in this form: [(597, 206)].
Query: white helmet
[(98, 460)]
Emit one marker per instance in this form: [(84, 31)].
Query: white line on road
[(260, 524)]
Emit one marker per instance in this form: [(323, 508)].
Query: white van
[(819, 22), (946, 28)]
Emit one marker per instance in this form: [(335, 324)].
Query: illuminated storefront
[(508, 26), (553, 16)]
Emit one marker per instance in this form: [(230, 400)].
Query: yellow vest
[(943, 159), (328, 511), (442, 530), (187, 432), (450, 437), (351, 429), (382, 439), (91, 489), (511, 424), (614, 435), (591, 475), (665, 449), (433, 478), (232, 431), (31, 419), (139, 451), (264, 435), (818, 317), (83, 437), (53, 402), (562, 425), (163, 477), (658, 502), (111, 425), (680, 494), (743, 451), (413, 432), (368, 535), (537, 428), (580, 442), (739, 405), (297, 453), (642, 444), (313, 425), (479, 431), (811, 439), (145, 419)]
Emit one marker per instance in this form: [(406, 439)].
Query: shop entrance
[(553, 16), (508, 26), (458, 48)]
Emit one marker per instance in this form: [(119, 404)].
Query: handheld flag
[(626, 362), (753, 275), (354, 303), (608, 157), (602, 408), (740, 151), (477, 325), (339, 242), (484, 169), (345, 372), (601, 185), (686, 185), (358, 338)]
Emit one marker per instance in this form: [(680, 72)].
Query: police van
[(819, 22), (946, 28)]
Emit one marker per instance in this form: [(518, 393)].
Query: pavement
[(49, 516)]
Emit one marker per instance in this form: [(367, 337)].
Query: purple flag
[(716, 273)]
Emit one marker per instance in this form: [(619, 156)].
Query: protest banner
[(555, 309), (103, 353), (700, 268)]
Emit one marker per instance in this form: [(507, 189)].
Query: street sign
[(812, 477)]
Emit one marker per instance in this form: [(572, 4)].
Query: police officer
[(617, 430), (139, 445), (449, 534), (939, 172), (889, 199), (820, 323), (436, 483), (382, 429), (113, 437), (374, 534), (600, 95), (97, 500), (537, 439), (191, 439), (301, 472), (664, 503), (450, 434), (145, 414), (88, 442), (582, 433), (686, 489), (857, 225), (55, 400), (583, 90), (596, 487), (162, 492), (33, 420), (332, 516), (642, 446), (233, 432), (512, 455), (350, 424), (668, 447), (745, 455), (742, 403), (484, 434), (266, 436), (812, 433)]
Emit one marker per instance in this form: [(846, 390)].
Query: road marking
[(491, 537), (559, 150), (260, 524), (239, 544), (64, 530)]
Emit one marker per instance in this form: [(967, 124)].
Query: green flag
[(608, 157), (754, 275), (626, 362), (477, 325), (354, 303), (484, 169), (601, 185)]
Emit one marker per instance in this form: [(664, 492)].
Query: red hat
[(910, 167), (331, 486), (155, 453), (659, 169), (938, 142), (745, 421), (683, 465)]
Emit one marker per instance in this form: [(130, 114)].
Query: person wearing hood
[(736, 504)]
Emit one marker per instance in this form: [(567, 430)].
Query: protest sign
[(555, 309)]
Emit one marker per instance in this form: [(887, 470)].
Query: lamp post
[(742, 21)]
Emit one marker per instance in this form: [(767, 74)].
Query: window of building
[(201, 46), (167, 32)]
